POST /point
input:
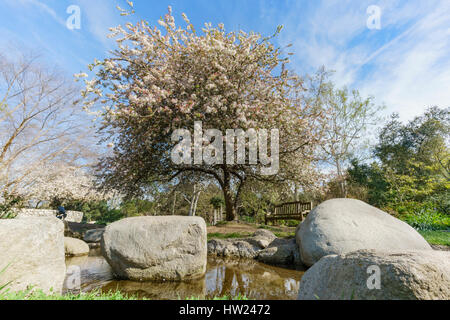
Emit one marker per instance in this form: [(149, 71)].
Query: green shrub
[(427, 219), (248, 219)]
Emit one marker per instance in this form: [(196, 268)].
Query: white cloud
[(406, 64), (37, 4)]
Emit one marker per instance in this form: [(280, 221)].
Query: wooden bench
[(289, 211)]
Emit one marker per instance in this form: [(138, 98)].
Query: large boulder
[(233, 248), (344, 225), (32, 251), (156, 248), (407, 275), (75, 247)]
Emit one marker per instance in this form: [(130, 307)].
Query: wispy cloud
[(40, 6), (405, 65), (100, 16)]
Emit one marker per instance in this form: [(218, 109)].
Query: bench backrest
[(292, 208)]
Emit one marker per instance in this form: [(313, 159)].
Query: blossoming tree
[(59, 182), (164, 78)]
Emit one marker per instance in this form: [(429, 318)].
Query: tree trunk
[(230, 210), (342, 186), (230, 201)]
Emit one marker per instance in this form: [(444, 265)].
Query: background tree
[(161, 80), (349, 116), (40, 124), (413, 164), (59, 184)]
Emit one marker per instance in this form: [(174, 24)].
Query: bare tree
[(349, 116), (39, 122)]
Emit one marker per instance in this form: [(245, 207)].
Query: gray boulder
[(94, 235), (32, 251), (262, 238), (281, 252), (75, 247), (156, 248), (241, 248), (339, 226), (411, 275), (233, 248)]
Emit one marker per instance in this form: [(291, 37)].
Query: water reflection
[(223, 277)]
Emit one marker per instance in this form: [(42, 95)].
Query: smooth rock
[(262, 238), (339, 226), (410, 275), (156, 247), (75, 247)]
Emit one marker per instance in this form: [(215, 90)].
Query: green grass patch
[(436, 237), (233, 235), (40, 295), (283, 234), (270, 228)]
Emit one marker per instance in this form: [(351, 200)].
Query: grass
[(93, 295), (436, 237), (233, 235), (283, 234), (40, 295)]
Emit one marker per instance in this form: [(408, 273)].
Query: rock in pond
[(241, 248), (94, 235), (75, 247), (283, 252), (78, 230), (32, 253), (410, 275), (236, 248), (156, 247), (340, 226)]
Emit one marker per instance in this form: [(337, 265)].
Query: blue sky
[(405, 64)]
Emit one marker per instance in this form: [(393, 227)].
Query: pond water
[(223, 277)]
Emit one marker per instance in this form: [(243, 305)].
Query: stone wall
[(72, 216)]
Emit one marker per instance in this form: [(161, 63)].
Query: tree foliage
[(412, 171)]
